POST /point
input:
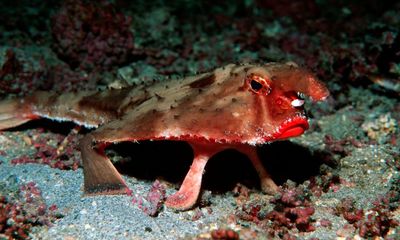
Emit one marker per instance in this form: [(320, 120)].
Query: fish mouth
[(292, 128)]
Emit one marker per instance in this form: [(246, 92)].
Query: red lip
[(292, 128)]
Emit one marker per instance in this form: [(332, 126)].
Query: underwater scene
[(247, 119)]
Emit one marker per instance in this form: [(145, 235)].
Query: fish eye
[(258, 84)]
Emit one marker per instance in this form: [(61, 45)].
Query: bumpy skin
[(236, 106)]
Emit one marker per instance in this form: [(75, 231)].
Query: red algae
[(224, 234), (92, 35), (16, 77), (64, 157), (374, 222), (292, 210), (28, 209), (153, 203)]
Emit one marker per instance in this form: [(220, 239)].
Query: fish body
[(236, 106)]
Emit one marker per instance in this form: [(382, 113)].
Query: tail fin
[(14, 113)]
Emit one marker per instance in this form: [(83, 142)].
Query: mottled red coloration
[(349, 211), (91, 35), (224, 234), (292, 209), (250, 212), (16, 77), (18, 214), (152, 204), (339, 146), (22, 74), (61, 157), (324, 183), (236, 106), (372, 223), (10, 211)]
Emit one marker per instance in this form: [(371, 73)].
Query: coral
[(380, 129), (371, 223), (292, 210), (62, 156), (10, 226), (251, 212), (91, 36), (349, 211), (341, 147), (153, 202), (324, 183), (224, 234), (378, 220), (27, 69), (18, 214), (19, 76)]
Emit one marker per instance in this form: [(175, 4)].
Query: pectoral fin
[(14, 113)]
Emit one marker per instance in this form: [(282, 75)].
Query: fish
[(238, 106)]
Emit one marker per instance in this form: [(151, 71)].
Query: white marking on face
[(297, 103), (236, 114)]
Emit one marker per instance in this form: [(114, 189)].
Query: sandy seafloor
[(354, 135), (116, 217)]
